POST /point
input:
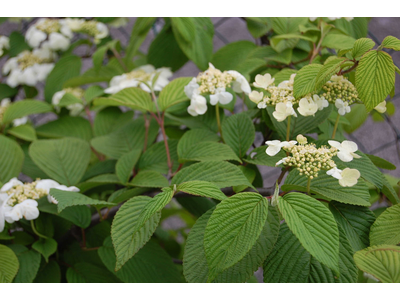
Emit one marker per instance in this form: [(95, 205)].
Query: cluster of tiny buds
[(20, 193), (28, 59), (76, 91), (340, 88), (49, 26), (140, 75), (212, 79), (89, 27)]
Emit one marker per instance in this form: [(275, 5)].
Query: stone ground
[(381, 139)]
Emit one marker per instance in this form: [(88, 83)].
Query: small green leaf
[(201, 188), (149, 178), (385, 229), (209, 151), (66, 126), (361, 46), (46, 247), (23, 108), (391, 42), (380, 162), (25, 132), (338, 41), (126, 163), (173, 93), (193, 137)]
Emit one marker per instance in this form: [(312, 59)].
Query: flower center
[(49, 26)]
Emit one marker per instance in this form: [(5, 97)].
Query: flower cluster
[(341, 92), (74, 109), (141, 77), (92, 28), (3, 106), (4, 44), (309, 159), (19, 200), (214, 82)]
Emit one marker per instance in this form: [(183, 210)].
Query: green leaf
[(66, 199), (232, 230), (356, 117), (287, 25), (195, 266), (46, 247), (222, 174), (374, 78), (131, 97), (232, 55), (331, 67), (11, 159), (9, 264), (23, 108), (66, 126), (25, 132), (66, 68), (391, 42), (92, 273), (197, 206), (49, 273), (239, 133), (125, 139), (300, 124), (138, 35), (361, 46), (199, 49), (389, 191), (29, 262), (338, 41), (150, 264), (73, 276), (100, 180), (201, 188), (92, 92), (355, 221), (164, 51), (134, 224), (382, 262), (64, 160), (380, 162), (258, 26), (109, 119), (385, 229), (126, 163), (149, 179), (155, 157), (290, 262), (7, 91), (258, 156), (314, 226), (173, 93), (17, 44), (209, 151), (304, 82), (193, 137)]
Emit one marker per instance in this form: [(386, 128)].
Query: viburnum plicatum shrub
[(85, 197)]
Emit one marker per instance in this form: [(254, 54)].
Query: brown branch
[(350, 69)]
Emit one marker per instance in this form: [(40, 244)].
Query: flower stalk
[(336, 126)]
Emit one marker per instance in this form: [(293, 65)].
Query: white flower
[(335, 172), (3, 204), (321, 102), (301, 139), (47, 184), (57, 97), (346, 150), (307, 107), (26, 209), (381, 107), (275, 146), (10, 184), (221, 96), (10, 65), (20, 121), (102, 31), (58, 41), (262, 105), (343, 107), (312, 19), (191, 88), (348, 18), (263, 81), (4, 44), (283, 110), (256, 97), (281, 161), (349, 177), (35, 36), (198, 106), (5, 102), (240, 85), (74, 24)]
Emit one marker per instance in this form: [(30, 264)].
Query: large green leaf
[(232, 55), (355, 221), (304, 81), (149, 178), (24, 132), (9, 264), (386, 229), (64, 160), (201, 188), (222, 174), (239, 133), (138, 35), (173, 93), (193, 137), (92, 273), (126, 163), (331, 67), (109, 119), (49, 273), (134, 224), (232, 230), (200, 48), (209, 151), (314, 226), (23, 108), (150, 264), (29, 262), (11, 159), (195, 266), (66, 68), (155, 157), (66, 199), (374, 77), (125, 139), (66, 126), (131, 97), (338, 41), (329, 187), (382, 262), (290, 262)]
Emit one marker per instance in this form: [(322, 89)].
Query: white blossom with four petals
[(283, 110), (263, 81), (276, 145), (343, 107), (381, 107), (346, 150)]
